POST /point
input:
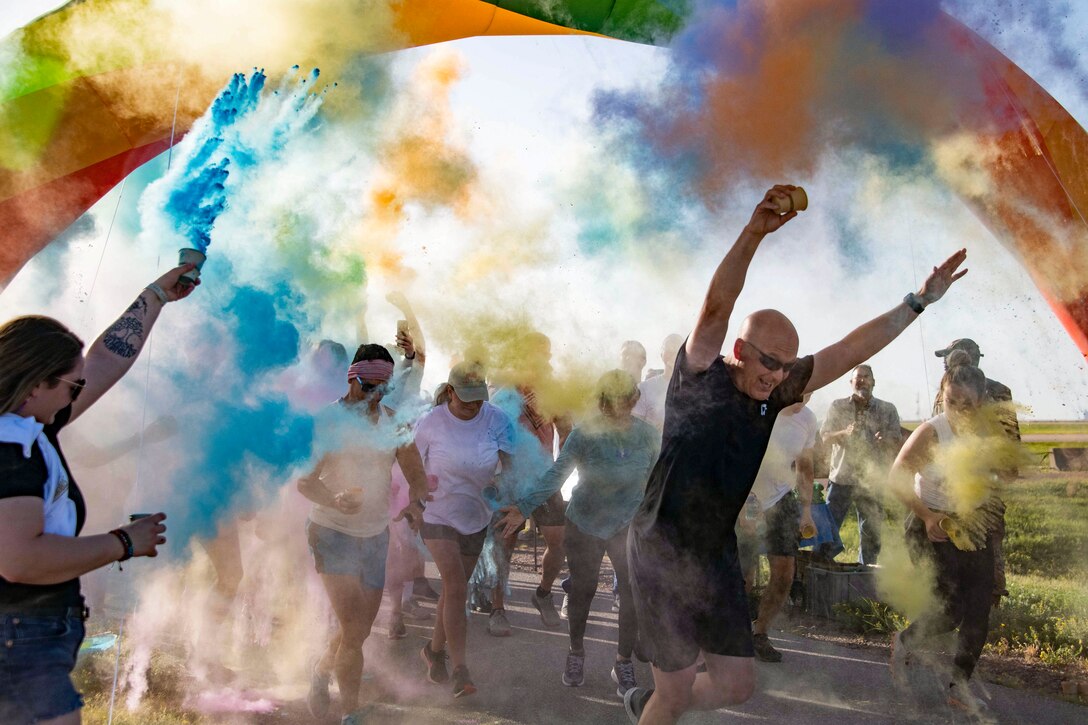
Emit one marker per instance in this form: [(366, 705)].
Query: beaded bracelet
[(126, 541)]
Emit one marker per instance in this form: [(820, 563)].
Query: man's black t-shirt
[(20, 476), (714, 440)]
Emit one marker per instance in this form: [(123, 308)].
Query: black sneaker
[(436, 664), (634, 702), (462, 682), (574, 674), (422, 589), (764, 650), (623, 674)]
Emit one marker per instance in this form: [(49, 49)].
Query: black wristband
[(126, 541), (912, 301)]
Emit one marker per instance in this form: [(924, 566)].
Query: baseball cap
[(964, 343), (467, 380)]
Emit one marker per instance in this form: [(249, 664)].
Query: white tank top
[(929, 483)]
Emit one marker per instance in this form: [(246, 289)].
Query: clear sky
[(524, 103)]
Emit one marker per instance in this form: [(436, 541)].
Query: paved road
[(519, 680)]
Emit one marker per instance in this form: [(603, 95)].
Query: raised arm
[(704, 345), (836, 360), (116, 349)]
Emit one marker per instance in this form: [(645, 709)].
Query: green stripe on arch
[(640, 21)]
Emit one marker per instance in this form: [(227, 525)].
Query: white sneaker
[(546, 607), (497, 624), (563, 609)]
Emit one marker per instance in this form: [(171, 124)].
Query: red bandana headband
[(370, 370)]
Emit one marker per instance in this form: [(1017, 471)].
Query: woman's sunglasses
[(77, 386)]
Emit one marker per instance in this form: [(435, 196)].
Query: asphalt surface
[(520, 681)]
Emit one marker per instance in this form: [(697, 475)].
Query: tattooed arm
[(115, 350)]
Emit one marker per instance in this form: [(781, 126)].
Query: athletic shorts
[(468, 544), (783, 520), (339, 554), (552, 512), (37, 656), (687, 603)]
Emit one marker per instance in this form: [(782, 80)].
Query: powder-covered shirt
[(714, 440), (464, 455), (791, 436), (930, 485), (22, 476), (364, 460), (612, 469)]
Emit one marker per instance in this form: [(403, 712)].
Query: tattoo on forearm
[(126, 337)]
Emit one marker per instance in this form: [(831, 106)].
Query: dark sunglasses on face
[(771, 363), (76, 386), (380, 388)]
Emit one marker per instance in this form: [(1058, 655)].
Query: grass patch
[(867, 616), (1042, 618), (1046, 530), (1053, 427)]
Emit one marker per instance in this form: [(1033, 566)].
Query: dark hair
[(33, 349), (615, 387), (967, 376), (372, 352), (336, 351)]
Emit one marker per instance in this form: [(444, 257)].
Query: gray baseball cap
[(467, 380)]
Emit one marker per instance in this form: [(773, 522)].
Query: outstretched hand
[(413, 512), (511, 523), (174, 288), (766, 219), (942, 277)]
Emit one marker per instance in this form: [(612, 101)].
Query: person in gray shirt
[(864, 435)]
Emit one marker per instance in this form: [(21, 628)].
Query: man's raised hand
[(766, 219)]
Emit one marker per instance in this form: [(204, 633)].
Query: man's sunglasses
[(371, 387), (771, 363), (77, 386)]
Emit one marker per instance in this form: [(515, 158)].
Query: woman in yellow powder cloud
[(950, 520)]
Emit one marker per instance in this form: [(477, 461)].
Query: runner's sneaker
[(765, 651), (546, 607), (422, 588), (397, 630), (563, 609), (412, 610), (462, 682), (574, 674), (497, 624), (961, 698), (635, 701), (355, 718), (623, 674), (317, 700), (436, 664), (900, 662), (615, 601)]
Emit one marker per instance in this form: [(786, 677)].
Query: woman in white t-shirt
[(462, 441), (945, 526), (348, 528)]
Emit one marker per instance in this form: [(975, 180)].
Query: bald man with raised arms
[(719, 412)]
